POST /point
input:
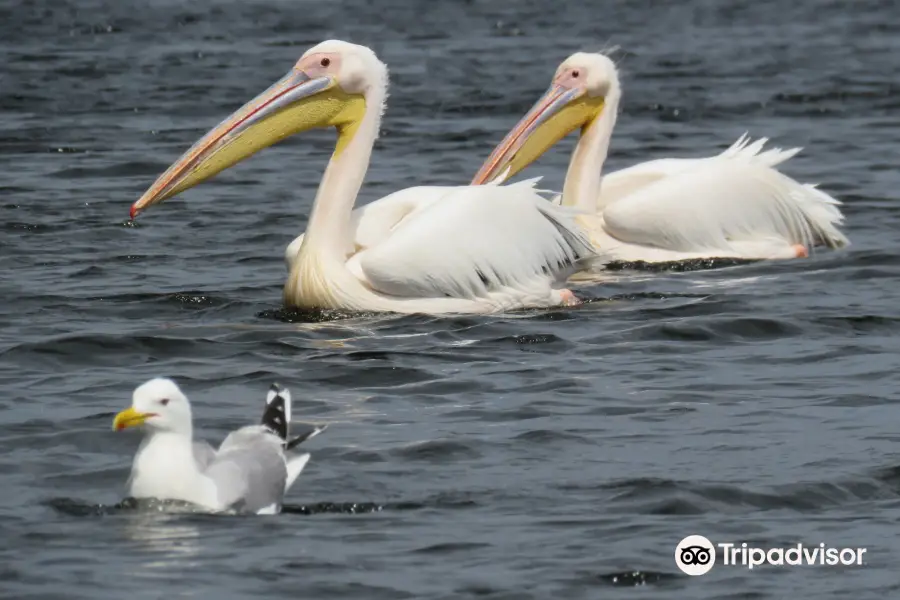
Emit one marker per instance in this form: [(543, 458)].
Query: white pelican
[(733, 205), (459, 249)]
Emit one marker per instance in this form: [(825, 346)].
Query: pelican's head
[(159, 405), (326, 88), (576, 97)]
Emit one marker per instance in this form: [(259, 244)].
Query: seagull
[(250, 472)]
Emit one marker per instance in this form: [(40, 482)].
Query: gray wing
[(249, 470), (203, 454)]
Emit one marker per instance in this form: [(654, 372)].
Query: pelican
[(733, 205), (460, 249)]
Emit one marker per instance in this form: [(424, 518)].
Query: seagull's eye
[(164, 401), (575, 73), (325, 62)]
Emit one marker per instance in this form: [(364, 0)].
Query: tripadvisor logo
[(696, 555)]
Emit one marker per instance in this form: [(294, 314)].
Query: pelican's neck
[(582, 185), (328, 233), (319, 277)]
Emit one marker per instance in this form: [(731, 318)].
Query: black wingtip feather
[(274, 415), (316, 430)]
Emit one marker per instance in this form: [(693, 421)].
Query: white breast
[(164, 468)]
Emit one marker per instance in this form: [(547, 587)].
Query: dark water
[(550, 454)]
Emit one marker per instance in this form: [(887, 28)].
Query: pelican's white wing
[(373, 222), (481, 242), (624, 182), (726, 208)]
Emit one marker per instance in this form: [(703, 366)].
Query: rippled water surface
[(548, 454)]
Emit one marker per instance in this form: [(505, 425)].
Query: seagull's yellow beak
[(560, 111), (293, 104), (130, 418)]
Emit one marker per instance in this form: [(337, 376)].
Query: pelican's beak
[(560, 111), (293, 104), (130, 418)]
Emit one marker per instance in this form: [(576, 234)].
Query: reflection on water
[(169, 539)]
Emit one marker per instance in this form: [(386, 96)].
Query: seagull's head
[(159, 406)]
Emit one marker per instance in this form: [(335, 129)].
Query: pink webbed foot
[(568, 298), (800, 251)]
